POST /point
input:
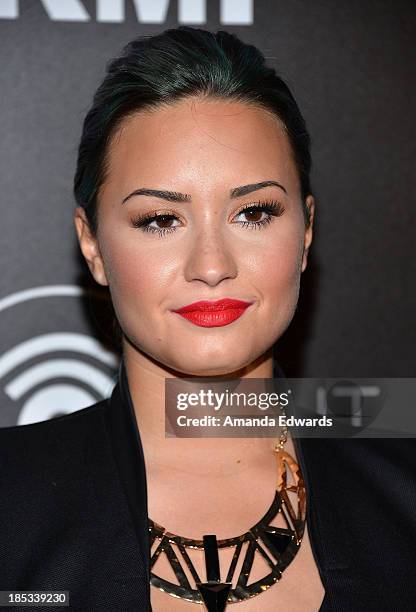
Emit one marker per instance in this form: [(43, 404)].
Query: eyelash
[(272, 208)]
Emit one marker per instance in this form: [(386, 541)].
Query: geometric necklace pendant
[(276, 539)]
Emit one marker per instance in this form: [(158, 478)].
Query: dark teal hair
[(182, 62)]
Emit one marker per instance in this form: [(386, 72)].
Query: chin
[(212, 366)]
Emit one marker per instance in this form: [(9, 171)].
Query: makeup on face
[(214, 313), (202, 233)]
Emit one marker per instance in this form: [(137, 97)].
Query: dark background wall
[(350, 65)]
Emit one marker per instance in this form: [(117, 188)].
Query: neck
[(208, 457)]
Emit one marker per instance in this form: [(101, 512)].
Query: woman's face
[(208, 248)]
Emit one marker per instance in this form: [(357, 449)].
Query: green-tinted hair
[(181, 62)]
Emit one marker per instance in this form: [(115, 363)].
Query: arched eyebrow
[(174, 196)]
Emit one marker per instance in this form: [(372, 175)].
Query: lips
[(213, 314)]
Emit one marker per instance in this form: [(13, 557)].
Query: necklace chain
[(283, 435)]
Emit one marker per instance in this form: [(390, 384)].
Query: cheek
[(137, 277), (278, 268)]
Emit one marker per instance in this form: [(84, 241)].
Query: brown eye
[(164, 220), (158, 224), (253, 214)]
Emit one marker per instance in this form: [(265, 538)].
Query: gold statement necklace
[(276, 544)]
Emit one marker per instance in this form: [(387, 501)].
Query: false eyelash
[(273, 208)]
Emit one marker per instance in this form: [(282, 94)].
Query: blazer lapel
[(128, 453), (328, 533)]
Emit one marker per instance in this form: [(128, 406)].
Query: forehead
[(203, 140)]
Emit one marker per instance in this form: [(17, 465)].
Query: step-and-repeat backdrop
[(350, 65)]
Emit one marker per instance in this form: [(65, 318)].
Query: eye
[(145, 223), (260, 214)]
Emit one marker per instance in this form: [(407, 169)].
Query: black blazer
[(73, 512)]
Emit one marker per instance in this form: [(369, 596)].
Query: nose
[(209, 259)]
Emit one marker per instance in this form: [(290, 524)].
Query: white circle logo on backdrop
[(42, 385)]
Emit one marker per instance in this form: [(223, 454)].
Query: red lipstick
[(213, 314)]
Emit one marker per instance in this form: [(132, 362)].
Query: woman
[(192, 185), (167, 233)]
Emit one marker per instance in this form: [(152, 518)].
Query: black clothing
[(73, 512)]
